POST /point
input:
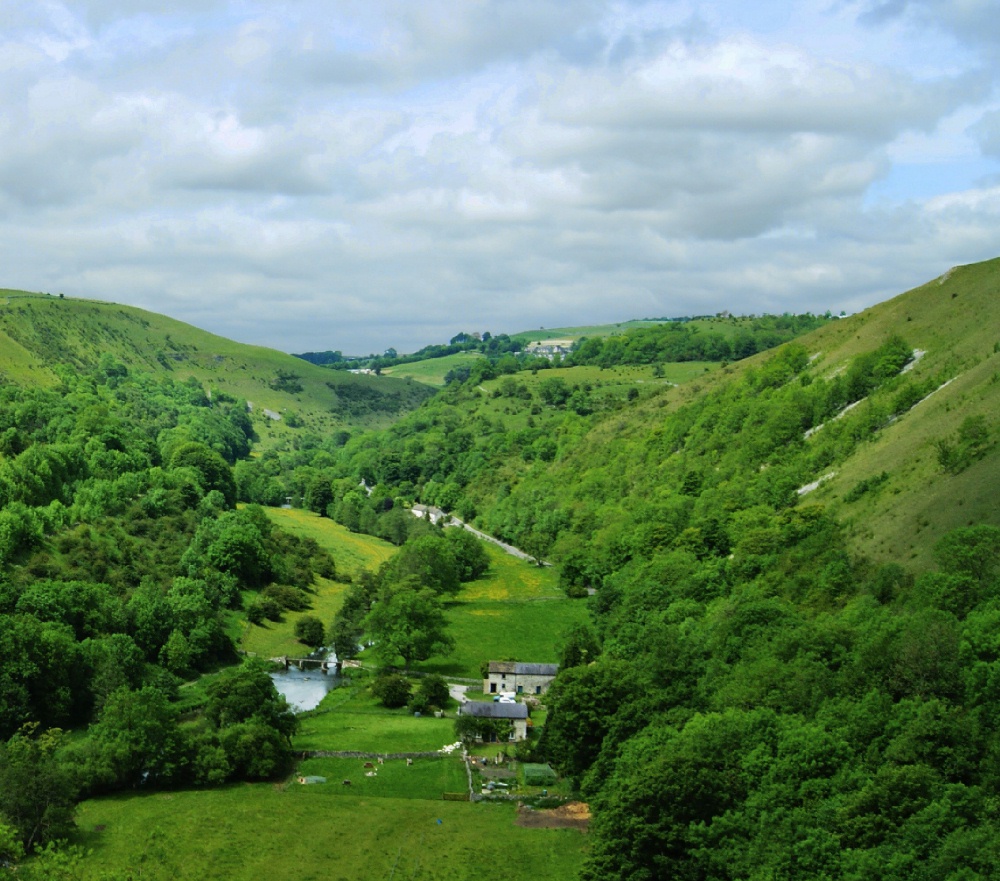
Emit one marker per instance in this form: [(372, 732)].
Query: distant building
[(517, 678), (549, 348)]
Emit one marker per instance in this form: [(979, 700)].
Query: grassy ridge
[(432, 371), (725, 326), (39, 333), (949, 319)]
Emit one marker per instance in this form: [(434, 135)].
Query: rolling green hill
[(41, 335), (554, 451), (950, 322)]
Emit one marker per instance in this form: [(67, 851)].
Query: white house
[(513, 676)]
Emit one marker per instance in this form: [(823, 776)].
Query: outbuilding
[(517, 714)]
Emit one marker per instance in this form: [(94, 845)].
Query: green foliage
[(407, 622), (867, 485), (470, 555), (247, 694), (309, 630), (37, 791), (971, 444), (212, 470), (580, 647), (470, 728), (429, 561), (434, 689), (135, 740), (392, 690)]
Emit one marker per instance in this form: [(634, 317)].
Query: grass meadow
[(432, 371), (351, 551), (289, 832), (350, 719), (425, 778), (516, 611)]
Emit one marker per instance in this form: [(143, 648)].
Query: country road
[(436, 514)]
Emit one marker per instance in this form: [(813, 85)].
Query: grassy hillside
[(951, 320), (40, 335), (432, 370), (727, 326), (948, 323)]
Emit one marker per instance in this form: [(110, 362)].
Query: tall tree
[(408, 622)]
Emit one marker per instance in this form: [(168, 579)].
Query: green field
[(349, 719), (305, 833), (516, 611), (431, 371), (424, 778), (352, 551)]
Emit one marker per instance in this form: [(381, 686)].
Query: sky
[(356, 176)]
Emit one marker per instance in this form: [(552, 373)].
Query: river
[(304, 689)]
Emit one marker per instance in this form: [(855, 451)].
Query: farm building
[(516, 713), (513, 676)]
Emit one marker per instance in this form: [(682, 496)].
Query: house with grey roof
[(514, 677), (516, 713)]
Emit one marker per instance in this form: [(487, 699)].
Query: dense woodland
[(752, 699), (125, 565)]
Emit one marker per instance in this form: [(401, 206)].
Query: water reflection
[(304, 689)]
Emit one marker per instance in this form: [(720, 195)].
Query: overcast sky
[(358, 175)]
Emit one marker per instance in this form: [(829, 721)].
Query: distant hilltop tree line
[(485, 343), (728, 338)]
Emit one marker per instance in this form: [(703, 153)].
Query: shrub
[(434, 689), (392, 690), (419, 703), (271, 608), (309, 630), (287, 597)]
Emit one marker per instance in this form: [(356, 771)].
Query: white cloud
[(367, 175)]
